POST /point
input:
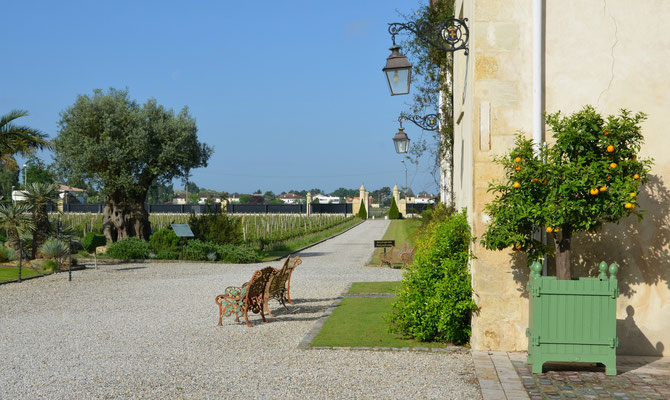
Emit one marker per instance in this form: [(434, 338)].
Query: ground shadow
[(311, 254), (127, 269)]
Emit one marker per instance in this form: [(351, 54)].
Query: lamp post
[(405, 165)]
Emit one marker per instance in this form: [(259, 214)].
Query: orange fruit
[(610, 149), (549, 229), (606, 132), (518, 247), (534, 180), (556, 230), (517, 168), (629, 206), (603, 188), (517, 160), (633, 195), (593, 192), (516, 185), (545, 181), (613, 165), (636, 176)]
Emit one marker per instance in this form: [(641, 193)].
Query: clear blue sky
[(289, 93)]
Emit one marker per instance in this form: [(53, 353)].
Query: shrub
[(93, 240), (55, 250), (217, 228), (197, 250), (7, 254), (131, 248), (435, 302), (48, 267), (237, 254), (165, 243), (362, 212), (394, 213)]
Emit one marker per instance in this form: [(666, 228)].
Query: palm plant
[(38, 195), (18, 139), (16, 219)]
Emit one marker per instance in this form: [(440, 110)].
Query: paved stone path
[(507, 376), (149, 330)]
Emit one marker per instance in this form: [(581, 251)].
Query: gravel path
[(149, 331)]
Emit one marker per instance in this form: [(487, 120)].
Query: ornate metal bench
[(395, 255), (250, 296), (279, 286)]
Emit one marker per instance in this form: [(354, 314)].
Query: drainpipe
[(538, 90)]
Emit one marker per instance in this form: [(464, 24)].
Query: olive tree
[(589, 177), (113, 143)]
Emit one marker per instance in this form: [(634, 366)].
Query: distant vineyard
[(269, 228)]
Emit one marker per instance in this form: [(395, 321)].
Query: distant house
[(68, 194), (290, 198), (323, 199), (425, 198), (179, 199), (234, 198), (204, 198)]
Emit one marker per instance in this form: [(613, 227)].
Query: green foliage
[(574, 185), (7, 254), (394, 213), (435, 302), (56, 251), (93, 240), (18, 139), (197, 250), (37, 171), (109, 141), (237, 254), (362, 212), (218, 228), (131, 248), (165, 243)]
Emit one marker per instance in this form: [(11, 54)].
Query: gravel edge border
[(306, 342)]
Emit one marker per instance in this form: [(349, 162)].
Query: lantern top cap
[(396, 60)]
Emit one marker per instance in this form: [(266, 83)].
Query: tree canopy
[(111, 142)]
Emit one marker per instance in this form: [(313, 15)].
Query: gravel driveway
[(150, 331)]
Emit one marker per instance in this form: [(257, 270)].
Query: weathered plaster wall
[(608, 53)]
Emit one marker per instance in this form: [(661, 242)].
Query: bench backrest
[(256, 289), (283, 275)]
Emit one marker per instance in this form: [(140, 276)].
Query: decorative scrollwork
[(428, 122), (449, 35)]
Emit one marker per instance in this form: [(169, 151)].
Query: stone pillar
[(364, 200), (308, 205), (396, 194)]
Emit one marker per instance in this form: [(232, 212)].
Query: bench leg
[(268, 309)]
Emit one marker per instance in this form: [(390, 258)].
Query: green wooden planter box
[(572, 320)]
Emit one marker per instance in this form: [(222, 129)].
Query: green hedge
[(131, 248), (435, 301), (165, 243), (93, 240), (394, 213)]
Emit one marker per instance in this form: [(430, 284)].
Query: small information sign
[(182, 230), (384, 243)]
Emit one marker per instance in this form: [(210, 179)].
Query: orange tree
[(590, 176)]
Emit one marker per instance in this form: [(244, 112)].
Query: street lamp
[(398, 71), (401, 141), (449, 35), (405, 165)]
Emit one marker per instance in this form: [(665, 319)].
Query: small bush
[(394, 213), (165, 243), (197, 250), (217, 228), (131, 248), (237, 254), (93, 240), (362, 212), (48, 267), (435, 302), (55, 250), (7, 254)]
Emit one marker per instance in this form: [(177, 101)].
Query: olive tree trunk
[(563, 271), (123, 218)]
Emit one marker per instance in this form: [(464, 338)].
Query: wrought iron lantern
[(398, 71), (401, 141)]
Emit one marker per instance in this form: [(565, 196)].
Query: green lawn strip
[(12, 273), (400, 230), (359, 322), (293, 245), (374, 287)]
